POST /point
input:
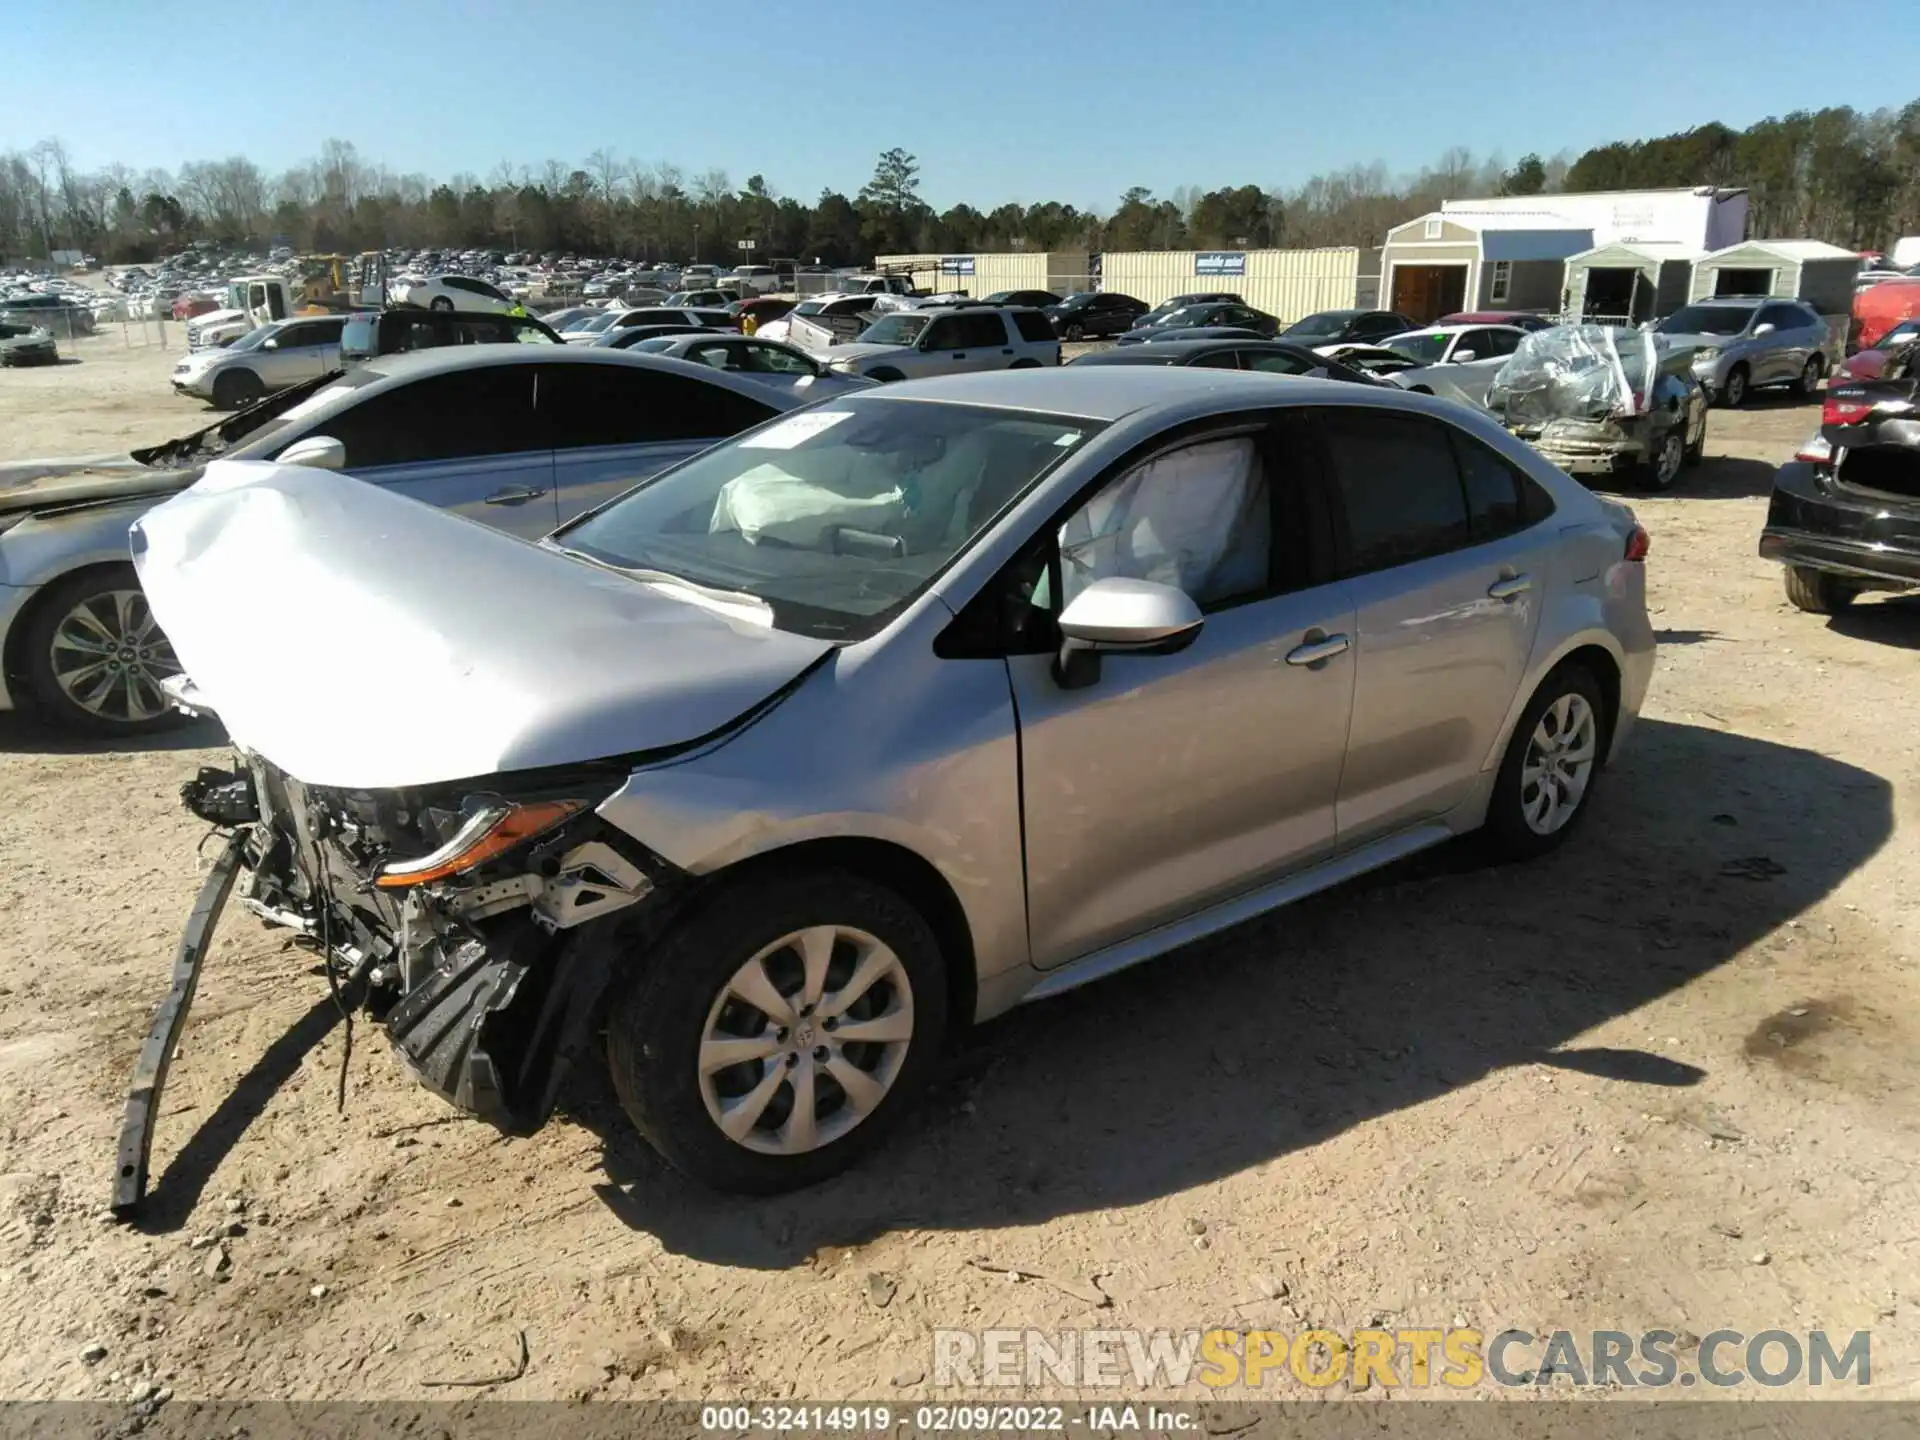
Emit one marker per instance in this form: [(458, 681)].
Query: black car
[(23, 344), (1845, 514), (1236, 313), (1090, 313), (1273, 357), (1181, 302), (1038, 299), (1339, 327), (390, 332)]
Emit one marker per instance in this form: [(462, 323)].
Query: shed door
[(1426, 292), (1739, 283)]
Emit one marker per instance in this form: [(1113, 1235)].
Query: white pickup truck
[(252, 301)]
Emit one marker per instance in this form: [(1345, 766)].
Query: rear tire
[(690, 998), (92, 658), (1811, 375), (236, 388), (1668, 460), (440, 302), (1545, 785), (1816, 591)]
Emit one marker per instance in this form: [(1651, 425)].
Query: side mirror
[(317, 452), (1122, 616), (1765, 327), (1461, 357)]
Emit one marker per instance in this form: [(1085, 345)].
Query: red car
[(188, 306), (1879, 308), (1868, 364), (1520, 319)]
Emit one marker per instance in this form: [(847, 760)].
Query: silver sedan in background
[(782, 367), (883, 717)]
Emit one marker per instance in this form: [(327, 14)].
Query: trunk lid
[(358, 639)]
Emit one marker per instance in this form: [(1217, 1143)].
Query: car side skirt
[(1297, 886)]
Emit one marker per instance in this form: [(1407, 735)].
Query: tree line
[(1838, 174)]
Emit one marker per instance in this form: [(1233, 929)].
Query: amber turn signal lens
[(494, 831)]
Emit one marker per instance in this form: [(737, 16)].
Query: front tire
[(1734, 393), (237, 388), (885, 375), (734, 1052), (1545, 785), (440, 302), (92, 656), (1817, 592), (1073, 332)]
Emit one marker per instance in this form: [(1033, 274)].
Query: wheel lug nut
[(820, 1053), (792, 1060), (832, 1024)]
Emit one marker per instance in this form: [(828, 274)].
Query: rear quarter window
[(1033, 325)]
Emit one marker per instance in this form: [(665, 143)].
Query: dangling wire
[(325, 889)]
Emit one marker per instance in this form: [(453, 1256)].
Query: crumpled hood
[(359, 639), (46, 484)]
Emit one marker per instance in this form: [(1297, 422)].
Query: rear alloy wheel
[(1667, 461), (95, 656), (1810, 376), (1734, 393), (771, 1039), (1073, 332), (1547, 775), (1816, 591)]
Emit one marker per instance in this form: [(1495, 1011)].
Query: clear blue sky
[(1000, 99)]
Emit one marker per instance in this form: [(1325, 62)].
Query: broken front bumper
[(488, 984), (1583, 447)]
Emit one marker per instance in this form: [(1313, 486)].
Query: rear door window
[(1398, 488), (1500, 499), (454, 416), (1033, 325), (585, 405)]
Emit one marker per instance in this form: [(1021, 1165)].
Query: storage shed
[(1809, 270), (1627, 283), (1061, 271), (1289, 284), (1454, 260)]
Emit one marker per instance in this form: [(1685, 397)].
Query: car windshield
[(1327, 322), (1423, 348), (655, 344), (894, 330), (1707, 320), (834, 517), (595, 324)]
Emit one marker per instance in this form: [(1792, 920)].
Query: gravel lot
[(1663, 1079)]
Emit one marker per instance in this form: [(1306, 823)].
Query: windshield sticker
[(795, 430), (1068, 440)]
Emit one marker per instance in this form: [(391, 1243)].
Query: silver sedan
[(883, 717), (782, 367)]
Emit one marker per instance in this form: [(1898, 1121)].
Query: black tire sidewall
[(235, 388), (1506, 831), (1734, 398), (654, 1028), (440, 302)]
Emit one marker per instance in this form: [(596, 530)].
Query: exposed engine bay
[(452, 914)]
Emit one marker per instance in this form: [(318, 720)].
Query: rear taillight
[(1638, 544), (1841, 411), (1815, 451)]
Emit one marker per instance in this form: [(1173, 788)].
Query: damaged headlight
[(493, 829)]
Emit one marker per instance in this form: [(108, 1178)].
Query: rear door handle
[(1507, 589), (514, 497), (1314, 651)]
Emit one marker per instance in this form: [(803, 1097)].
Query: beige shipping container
[(1060, 271), (1289, 284)]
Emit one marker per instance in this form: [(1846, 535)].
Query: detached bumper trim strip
[(150, 1070)]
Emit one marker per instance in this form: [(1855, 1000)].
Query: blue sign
[(956, 264), (1220, 262)]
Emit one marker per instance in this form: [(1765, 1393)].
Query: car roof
[(1175, 392), (413, 364), (1745, 300), (1164, 352)]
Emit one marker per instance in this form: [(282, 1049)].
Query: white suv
[(910, 344)]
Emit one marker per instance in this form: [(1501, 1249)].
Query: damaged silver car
[(872, 722), (1605, 400)]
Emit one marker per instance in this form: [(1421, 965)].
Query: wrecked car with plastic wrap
[(765, 776), (1604, 400)]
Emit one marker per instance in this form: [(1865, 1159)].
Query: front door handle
[(1510, 587), (1314, 651), (514, 497)]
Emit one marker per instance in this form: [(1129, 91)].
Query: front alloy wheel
[(806, 1039), (778, 1027)]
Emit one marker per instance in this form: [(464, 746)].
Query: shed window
[(1502, 281), (1433, 227)]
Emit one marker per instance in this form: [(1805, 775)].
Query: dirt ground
[(1663, 1079)]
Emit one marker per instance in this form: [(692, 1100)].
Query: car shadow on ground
[(23, 735), (1724, 477), (1294, 1028), (1892, 621)]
